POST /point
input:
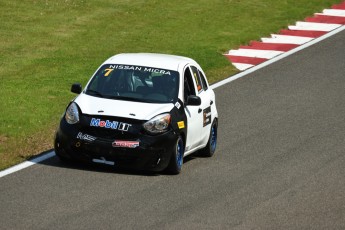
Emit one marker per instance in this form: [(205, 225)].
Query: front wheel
[(176, 159), (211, 146)]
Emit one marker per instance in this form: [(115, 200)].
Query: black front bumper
[(153, 152)]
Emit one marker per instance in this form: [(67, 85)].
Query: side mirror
[(193, 100), (76, 88)]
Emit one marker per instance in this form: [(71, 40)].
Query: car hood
[(109, 107)]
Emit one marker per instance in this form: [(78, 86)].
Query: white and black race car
[(145, 111)]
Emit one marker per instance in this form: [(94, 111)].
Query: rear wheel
[(211, 146), (176, 159)]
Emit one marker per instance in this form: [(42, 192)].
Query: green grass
[(45, 46)]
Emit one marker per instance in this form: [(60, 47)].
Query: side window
[(196, 78), (203, 80), (199, 79), (188, 84)]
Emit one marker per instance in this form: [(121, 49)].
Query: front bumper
[(152, 153)]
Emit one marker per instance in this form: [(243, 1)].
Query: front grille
[(114, 154)]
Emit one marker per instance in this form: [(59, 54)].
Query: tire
[(211, 146), (176, 160)]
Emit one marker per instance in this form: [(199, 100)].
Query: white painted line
[(268, 54), (314, 26), (214, 86), (334, 12), (275, 59), (286, 39), (26, 164), (241, 66)]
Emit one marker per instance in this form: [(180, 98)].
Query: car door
[(206, 105), (195, 114)]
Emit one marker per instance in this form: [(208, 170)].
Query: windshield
[(135, 83)]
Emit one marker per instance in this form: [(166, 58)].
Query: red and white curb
[(303, 32)]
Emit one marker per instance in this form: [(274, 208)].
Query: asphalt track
[(279, 164)]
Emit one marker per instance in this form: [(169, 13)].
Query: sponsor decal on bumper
[(85, 137), (125, 144)]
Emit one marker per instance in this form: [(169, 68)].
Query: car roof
[(161, 61)]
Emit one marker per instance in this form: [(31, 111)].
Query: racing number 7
[(107, 72)]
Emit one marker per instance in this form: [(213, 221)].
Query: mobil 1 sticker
[(207, 116)]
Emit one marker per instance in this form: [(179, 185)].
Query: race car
[(140, 110)]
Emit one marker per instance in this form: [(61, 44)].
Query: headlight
[(72, 114), (158, 124)]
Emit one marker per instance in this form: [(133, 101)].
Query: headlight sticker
[(125, 144), (180, 124)]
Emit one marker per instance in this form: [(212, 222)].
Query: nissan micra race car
[(145, 111)]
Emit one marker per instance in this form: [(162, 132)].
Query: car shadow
[(54, 161)]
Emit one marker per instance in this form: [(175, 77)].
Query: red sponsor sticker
[(126, 144)]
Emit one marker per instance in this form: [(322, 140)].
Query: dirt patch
[(16, 150), (3, 139)]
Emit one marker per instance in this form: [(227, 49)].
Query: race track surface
[(280, 164)]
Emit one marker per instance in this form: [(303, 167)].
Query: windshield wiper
[(94, 93), (127, 98)]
